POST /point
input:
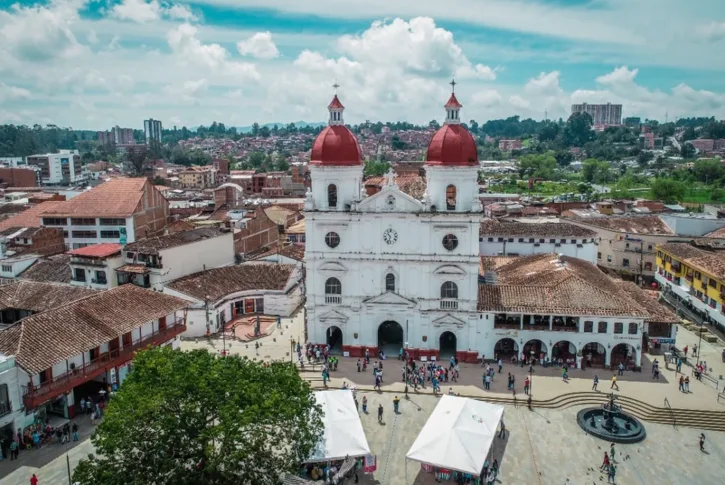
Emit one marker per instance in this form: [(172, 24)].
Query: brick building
[(18, 177), (259, 232)]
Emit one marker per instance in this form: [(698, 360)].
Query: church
[(389, 270)]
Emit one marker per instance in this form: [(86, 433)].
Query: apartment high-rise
[(61, 168), (152, 130), (117, 135), (602, 114)]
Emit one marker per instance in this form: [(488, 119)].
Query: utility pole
[(641, 263)]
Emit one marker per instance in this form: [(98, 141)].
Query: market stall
[(457, 438), (342, 441)]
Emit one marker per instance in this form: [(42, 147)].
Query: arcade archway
[(534, 348), (622, 353), (447, 344), (594, 355), (334, 340), (563, 350), (390, 337), (505, 349)]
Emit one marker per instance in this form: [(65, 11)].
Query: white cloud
[(188, 90), (620, 75), (137, 10), (10, 93), (712, 32), (189, 49), (180, 12), (259, 46), (479, 71), (546, 84)]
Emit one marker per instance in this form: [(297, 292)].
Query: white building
[(388, 271), (156, 261), (59, 168), (12, 413), (506, 238), (152, 131), (94, 266), (220, 295)]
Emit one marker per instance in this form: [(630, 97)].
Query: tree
[(687, 150), (196, 418), (578, 129), (255, 129), (375, 168), (564, 158), (668, 190), (644, 158), (708, 170), (137, 160), (281, 164), (689, 134), (538, 166), (596, 171)]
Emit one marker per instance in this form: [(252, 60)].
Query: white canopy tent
[(458, 435), (343, 435)]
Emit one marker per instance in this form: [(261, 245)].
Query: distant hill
[(298, 124)]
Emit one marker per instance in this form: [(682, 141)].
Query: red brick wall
[(18, 177), (260, 232), (151, 214)]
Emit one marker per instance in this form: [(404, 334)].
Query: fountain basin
[(612, 426)]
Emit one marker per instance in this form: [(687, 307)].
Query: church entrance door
[(390, 338), (447, 346), (334, 340)]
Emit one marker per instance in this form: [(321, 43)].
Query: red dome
[(336, 146), (452, 145)]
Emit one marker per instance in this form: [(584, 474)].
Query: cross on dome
[(335, 108), (453, 107)]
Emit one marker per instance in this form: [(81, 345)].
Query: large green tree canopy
[(196, 418)]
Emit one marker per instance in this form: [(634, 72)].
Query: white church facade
[(388, 271)]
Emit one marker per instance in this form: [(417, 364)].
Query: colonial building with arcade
[(389, 270)]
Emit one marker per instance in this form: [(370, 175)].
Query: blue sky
[(98, 63)]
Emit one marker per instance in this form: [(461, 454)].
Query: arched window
[(332, 195), (333, 286), (633, 327), (390, 282), (449, 290), (451, 197)]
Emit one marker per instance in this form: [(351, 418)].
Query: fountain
[(610, 423)]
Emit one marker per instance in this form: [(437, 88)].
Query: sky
[(94, 64)]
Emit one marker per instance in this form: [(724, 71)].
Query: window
[(500, 239), (79, 274), (110, 234), (609, 258), (649, 247), (633, 328), (648, 266), (659, 254), (599, 255), (55, 221), (7, 268), (101, 277), (511, 239), (625, 263), (602, 327), (589, 327), (82, 222), (65, 234), (451, 197), (390, 203), (449, 290), (698, 275), (573, 241), (390, 282), (562, 241), (332, 195), (5, 406), (712, 283), (521, 239), (552, 241), (84, 234), (332, 239), (531, 239), (333, 287), (541, 241), (112, 222), (450, 242), (618, 327), (490, 239)]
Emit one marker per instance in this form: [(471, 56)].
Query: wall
[(587, 252), (9, 375), (151, 214), (18, 177), (692, 226), (260, 232)]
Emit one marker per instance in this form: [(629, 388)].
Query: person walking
[(75, 431), (33, 480), (359, 365), (380, 413), (679, 364), (527, 384), (687, 384), (509, 384), (605, 462), (682, 384), (365, 404), (611, 453), (396, 404), (596, 383), (621, 369), (502, 432), (611, 473), (702, 441), (500, 365), (14, 449), (614, 383)]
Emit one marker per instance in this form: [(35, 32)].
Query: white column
[(637, 357), (607, 356)]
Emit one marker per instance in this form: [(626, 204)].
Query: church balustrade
[(449, 304), (333, 299)]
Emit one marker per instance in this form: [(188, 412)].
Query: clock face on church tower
[(390, 236)]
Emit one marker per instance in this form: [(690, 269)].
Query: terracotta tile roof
[(412, 185), (219, 282), (115, 198), (658, 313), (296, 228), (102, 250), (278, 214), (547, 283), (681, 250), (496, 228), (53, 269), (39, 296), (133, 268), (292, 251), (720, 233), (631, 224), (31, 217), (152, 245), (712, 264), (42, 340)]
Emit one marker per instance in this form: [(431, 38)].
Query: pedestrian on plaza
[(488, 382), (491, 478), (396, 404), (702, 441), (365, 404), (694, 350), (564, 375), (621, 369), (359, 365), (611, 453), (367, 356), (513, 383), (684, 351), (378, 381), (605, 462), (527, 384), (436, 389), (687, 384), (75, 431), (656, 373), (14, 449), (494, 468), (509, 384), (500, 365), (83, 405), (380, 413), (33, 480), (400, 353), (502, 431), (596, 383), (611, 474), (614, 383), (679, 364), (682, 384)]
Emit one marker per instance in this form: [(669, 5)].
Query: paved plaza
[(542, 446)]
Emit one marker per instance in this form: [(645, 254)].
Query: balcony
[(64, 383), (507, 322), (333, 299), (449, 304), (6, 408), (535, 326)]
